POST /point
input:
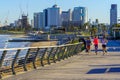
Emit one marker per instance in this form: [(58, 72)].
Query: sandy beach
[(43, 43), (37, 44)]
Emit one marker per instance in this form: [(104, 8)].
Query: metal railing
[(15, 60)]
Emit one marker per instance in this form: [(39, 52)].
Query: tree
[(103, 27), (116, 25), (93, 30)]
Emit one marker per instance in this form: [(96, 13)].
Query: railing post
[(55, 54), (48, 58), (73, 49), (42, 57), (14, 61), (63, 51), (78, 48), (1, 60), (2, 57), (58, 54), (67, 52), (35, 58), (26, 57)]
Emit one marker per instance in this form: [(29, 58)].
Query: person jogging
[(95, 41), (88, 44), (104, 43)]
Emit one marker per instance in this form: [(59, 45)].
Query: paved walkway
[(83, 66)]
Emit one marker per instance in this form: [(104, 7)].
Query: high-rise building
[(113, 14), (70, 14), (52, 17), (32, 23), (66, 16), (45, 18), (38, 20), (24, 21), (79, 15), (35, 20)]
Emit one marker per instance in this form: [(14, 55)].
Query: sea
[(4, 42)]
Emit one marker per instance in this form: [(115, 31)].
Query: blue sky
[(99, 9)]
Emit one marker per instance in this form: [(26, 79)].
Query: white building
[(32, 23), (52, 17), (18, 23)]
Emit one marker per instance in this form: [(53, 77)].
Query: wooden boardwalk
[(83, 66)]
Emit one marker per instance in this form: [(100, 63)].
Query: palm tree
[(93, 30), (103, 27), (86, 25)]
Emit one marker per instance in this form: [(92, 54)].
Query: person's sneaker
[(96, 53), (103, 53)]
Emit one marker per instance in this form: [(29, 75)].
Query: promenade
[(83, 66)]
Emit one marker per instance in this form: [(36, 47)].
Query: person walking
[(88, 44), (104, 43), (96, 41), (84, 42)]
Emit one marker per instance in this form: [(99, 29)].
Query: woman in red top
[(95, 41)]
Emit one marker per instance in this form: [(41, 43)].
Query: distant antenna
[(20, 11), (6, 19), (2, 19), (27, 6)]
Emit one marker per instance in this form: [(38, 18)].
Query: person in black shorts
[(104, 43)]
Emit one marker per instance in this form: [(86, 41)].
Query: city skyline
[(97, 9)]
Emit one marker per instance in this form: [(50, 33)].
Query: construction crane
[(23, 17), (6, 20)]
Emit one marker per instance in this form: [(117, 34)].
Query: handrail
[(39, 47), (35, 57)]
